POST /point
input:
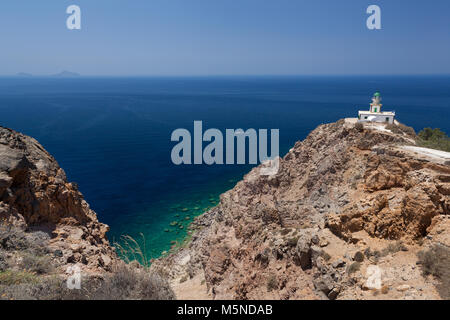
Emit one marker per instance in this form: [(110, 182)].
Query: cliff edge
[(36, 197), (47, 230), (350, 204)]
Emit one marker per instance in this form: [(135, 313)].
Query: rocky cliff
[(36, 197), (347, 198)]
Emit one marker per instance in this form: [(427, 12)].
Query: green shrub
[(430, 134), (434, 139)]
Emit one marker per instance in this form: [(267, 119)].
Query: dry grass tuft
[(272, 283), (435, 261), (131, 250)]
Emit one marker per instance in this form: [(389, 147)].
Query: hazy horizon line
[(26, 75)]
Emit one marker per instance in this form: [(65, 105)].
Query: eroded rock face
[(339, 183), (35, 195)]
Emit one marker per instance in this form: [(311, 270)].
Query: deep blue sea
[(112, 135)]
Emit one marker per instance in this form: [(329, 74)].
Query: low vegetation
[(128, 283), (131, 250), (401, 129), (435, 261), (125, 283), (390, 249), (434, 139), (393, 248), (359, 256), (272, 282), (28, 271), (355, 266), (36, 263), (11, 277), (427, 138)]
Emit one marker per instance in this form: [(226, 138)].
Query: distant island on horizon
[(24, 74), (62, 74), (66, 74)]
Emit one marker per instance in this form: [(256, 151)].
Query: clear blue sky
[(225, 37)]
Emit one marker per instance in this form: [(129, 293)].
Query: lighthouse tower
[(376, 105), (375, 114)]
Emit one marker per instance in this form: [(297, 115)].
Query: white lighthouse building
[(375, 114)]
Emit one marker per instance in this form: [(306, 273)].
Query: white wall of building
[(371, 117)]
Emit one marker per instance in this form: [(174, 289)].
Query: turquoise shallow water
[(112, 135)]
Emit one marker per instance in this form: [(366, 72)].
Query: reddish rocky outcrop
[(344, 189), (35, 195)]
